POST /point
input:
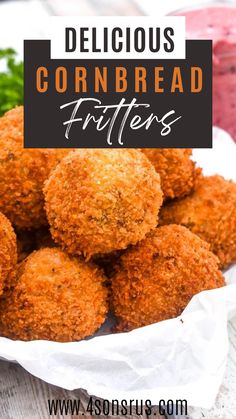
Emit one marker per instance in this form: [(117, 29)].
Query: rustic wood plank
[(23, 396)]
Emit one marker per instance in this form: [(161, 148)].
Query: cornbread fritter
[(177, 171), (156, 279), (22, 173), (8, 253), (56, 297), (209, 212), (100, 200)]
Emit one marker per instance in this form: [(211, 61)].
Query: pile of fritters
[(135, 231)]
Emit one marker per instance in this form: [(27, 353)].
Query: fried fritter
[(157, 278), (177, 171), (209, 212), (56, 297), (99, 201), (8, 253), (22, 173)]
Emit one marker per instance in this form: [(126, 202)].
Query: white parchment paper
[(179, 358)]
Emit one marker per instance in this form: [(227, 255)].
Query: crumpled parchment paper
[(181, 358)]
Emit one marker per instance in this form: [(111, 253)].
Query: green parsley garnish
[(11, 81)]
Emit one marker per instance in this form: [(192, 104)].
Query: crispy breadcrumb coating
[(177, 171), (22, 173), (98, 201), (56, 297), (209, 212), (12, 119), (157, 278), (8, 253)]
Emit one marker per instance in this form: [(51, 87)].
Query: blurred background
[(30, 8), (20, 19)]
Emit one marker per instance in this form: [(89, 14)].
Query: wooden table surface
[(23, 396)]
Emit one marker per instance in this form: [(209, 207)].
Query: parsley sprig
[(11, 81)]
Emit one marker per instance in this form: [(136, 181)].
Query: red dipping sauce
[(218, 22)]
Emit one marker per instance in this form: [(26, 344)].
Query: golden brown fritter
[(156, 279), (209, 212), (177, 171), (8, 253), (56, 297), (98, 201), (12, 119), (22, 173)]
